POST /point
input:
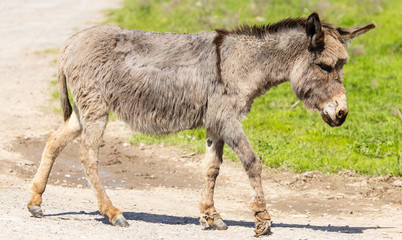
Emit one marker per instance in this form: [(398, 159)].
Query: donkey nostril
[(340, 114)]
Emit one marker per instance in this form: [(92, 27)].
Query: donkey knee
[(252, 166), (212, 172)]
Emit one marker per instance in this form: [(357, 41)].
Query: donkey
[(162, 83)]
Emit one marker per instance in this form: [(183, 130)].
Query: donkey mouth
[(331, 122)]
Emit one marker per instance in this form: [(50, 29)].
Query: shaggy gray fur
[(157, 82)]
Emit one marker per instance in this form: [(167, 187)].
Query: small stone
[(397, 183), (358, 184), (260, 19), (311, 174), (25, 163), (347, 173)]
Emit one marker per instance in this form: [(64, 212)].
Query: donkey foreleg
[(54, 145), (238, 142), (88, 155), (212, 161)]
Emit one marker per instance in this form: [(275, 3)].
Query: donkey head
[(316, 77)]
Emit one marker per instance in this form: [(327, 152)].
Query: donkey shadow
[(178, 220)]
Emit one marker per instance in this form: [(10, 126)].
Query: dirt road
[(158, 187)]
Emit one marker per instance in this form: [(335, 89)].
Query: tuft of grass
[(47, 51), (290, 137), (191, 139)]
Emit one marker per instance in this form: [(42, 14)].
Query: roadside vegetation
[(280, 129)]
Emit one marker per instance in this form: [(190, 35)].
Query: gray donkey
[(161, 83)]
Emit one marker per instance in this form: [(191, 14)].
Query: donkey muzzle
[(334, 113)]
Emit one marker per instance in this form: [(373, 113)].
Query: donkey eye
[(325, 67)]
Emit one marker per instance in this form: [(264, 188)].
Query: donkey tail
[(65, 102)]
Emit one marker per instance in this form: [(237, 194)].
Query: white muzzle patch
[(334, 113)]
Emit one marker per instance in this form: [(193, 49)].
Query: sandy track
[(29, 27), (159, 203)]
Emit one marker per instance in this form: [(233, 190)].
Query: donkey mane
[(261, 30)]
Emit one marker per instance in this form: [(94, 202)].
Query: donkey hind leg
[(239, 143), (91, 139), (54, 145), (212, 162)]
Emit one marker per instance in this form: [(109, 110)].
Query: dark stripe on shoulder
[(218, 40)]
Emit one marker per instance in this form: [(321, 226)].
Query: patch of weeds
[(47, 51), (193, 140)]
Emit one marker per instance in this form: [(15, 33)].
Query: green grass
[(290, 137), (48, 51)]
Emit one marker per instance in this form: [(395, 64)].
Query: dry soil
[(157, 187)]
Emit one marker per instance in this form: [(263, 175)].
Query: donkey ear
[(314, 32), (348, 33)]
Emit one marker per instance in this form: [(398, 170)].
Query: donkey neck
[(251, 65)]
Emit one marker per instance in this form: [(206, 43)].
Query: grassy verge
[(290, 137)]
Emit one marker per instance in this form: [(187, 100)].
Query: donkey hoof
[(219, 225), (120, 221), (36, 211), (262, 227), (212, 222)]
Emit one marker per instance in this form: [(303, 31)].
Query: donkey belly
[(160, 103)]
